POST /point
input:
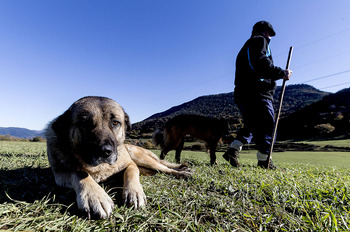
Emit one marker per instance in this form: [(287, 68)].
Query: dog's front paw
[(183, 173), (95, 201), (134, 195)]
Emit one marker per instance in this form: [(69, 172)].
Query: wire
[(326, 58), (335, 85), (298, 47), (326, 37), (315, 41), (330, 75)]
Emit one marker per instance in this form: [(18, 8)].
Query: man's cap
[(262, 26)]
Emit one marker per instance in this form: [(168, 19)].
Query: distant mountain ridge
[(327, 118), (307, 113), (222, 105), (22, 133)]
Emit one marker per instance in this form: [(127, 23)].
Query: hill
[(20, 132), (222, 105), (327, 118)]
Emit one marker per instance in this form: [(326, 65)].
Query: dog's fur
[(85, 145), (209, 130)]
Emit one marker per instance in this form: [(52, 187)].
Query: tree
[(324, 129)]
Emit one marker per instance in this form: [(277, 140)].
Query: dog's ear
[(62, 124), (127, 122)]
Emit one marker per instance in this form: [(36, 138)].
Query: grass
[(310, 192), (289, 158), (337, 143)]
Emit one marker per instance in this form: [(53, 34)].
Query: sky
[(151, 55)]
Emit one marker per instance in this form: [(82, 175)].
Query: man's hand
[(287, 74)]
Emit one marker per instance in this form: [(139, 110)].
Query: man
[(255, 84)]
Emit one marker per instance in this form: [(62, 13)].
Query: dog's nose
[(107, 150)]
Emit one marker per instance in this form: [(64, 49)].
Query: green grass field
[(336, 142), (310, 192)]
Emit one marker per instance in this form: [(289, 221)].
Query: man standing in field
[(255, 84)]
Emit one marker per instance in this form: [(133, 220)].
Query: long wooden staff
[(280, 108)]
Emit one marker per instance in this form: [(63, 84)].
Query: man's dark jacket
[(255, 72)]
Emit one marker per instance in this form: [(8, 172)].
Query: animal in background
[(207, 129)]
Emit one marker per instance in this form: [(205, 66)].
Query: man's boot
[(232, 155), (265, 164)]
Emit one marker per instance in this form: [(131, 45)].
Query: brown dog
[(209, 130), (85, 146)]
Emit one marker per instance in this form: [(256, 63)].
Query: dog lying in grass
[(85, 145)]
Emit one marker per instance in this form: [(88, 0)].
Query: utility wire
[(330, 75), (302, 46), (335, 85), (316, 61), (299, 47), (326, 37), (315, 41)]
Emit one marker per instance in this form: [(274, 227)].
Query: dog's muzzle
[(103, 154), (108, 154)]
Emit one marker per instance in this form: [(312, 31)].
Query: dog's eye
[(115, 123)]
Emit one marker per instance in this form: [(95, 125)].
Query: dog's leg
[(147, 164), (91, 198), (162, 154), (178, 151), (173, 165), (147, 161), (165, 151), (212, 149), (132, 191)]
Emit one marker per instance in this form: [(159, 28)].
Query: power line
[(299, 47), (316, 41), (326, 37), (330, 75), (335, 85), (326, 58), (302, 46), (176, 91)]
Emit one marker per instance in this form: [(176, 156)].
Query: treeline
[(16, 139), (327, 118), (222, 106)]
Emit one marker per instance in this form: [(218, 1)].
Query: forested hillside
[(222, 105), (327, 118)]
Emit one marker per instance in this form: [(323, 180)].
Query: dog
[(172, 137), (85, 146)]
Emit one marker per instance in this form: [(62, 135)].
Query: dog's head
[(92, 128)]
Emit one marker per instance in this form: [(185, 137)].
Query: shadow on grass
[(33, 184), (26, 184)]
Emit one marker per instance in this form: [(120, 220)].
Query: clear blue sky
[(150, 55)]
